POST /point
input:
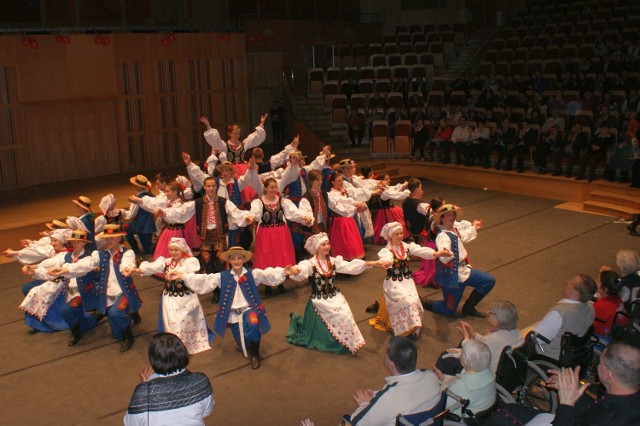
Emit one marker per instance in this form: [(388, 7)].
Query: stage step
[(610, 209), (616, 198)]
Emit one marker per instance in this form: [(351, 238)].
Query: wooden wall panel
[(72, 141)]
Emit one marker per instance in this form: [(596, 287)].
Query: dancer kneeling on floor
[(240, 304), (328, 324), (453, 273)]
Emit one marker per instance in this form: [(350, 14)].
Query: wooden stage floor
[(531, 247)]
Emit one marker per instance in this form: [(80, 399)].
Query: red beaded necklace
[(328, 272), (397, 255)]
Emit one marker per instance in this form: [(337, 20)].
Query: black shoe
[(75, 335), (471, 311), (373, 308), (33, 331), (254, 350), (427, 304), (282, 289), (137, 319), (267, 291), (127, 340)]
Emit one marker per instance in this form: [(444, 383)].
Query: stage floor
[(531, 247)]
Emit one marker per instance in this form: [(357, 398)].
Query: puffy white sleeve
[(40, 272), (213, 139), (295, 214), (255, 138), (305, 208), (155, 267), (395, 193), (423, 208), (34, 253), (385, 255), (98, 224), (256, 210), (179, 213), (150, 203), (306, 269), (358, 194), (466, 230), (278, 159), (289, 175), (269, 276), (235, 215), (190, 264), (419, 251), (353, 267), (196, 176), (338, 203), (251, 178), (83, 266), (443, 241), (370, 184), (202, 283), (317, 163)]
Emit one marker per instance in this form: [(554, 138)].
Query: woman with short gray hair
[(503, 319)]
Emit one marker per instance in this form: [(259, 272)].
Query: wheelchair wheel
[(504, 395), (536, 393)]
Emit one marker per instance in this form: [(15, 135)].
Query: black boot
[(127, 340), (373, 308), (137, 319), (267, 291), (254, 350), (282, 289), (75, 335), (469, 307)]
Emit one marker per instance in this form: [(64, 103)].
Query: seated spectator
[(355, 126), (420, 138), (169, 393), (407, 390), (480, 138), (603, 117), (619, 373), (554, 120), (619, 158), (460, 137), (575, 143), (607, 303), (504, 138), (503, 319), (595, 153), (574, 313), (628, 262), (476, 382), (442, 134), (549, 142), (527, 137)]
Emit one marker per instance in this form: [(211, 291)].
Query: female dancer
[(389, 212), (343, 233), (328, 323), (174, 216), (425, 276), (273, 243), (400, 310), (180, 310), (234, 148)]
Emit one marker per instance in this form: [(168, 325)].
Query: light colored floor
[(531, 247)]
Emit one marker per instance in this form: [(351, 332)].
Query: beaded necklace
[(327, 273), (397, 255)]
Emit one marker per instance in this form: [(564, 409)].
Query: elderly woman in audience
[(628, 262), (476, 382), (503, 332), (608, 302)]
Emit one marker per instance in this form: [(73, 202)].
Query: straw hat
[(446, 208), (140, 181), (346, 162), (56, 224), (226, 256), (111, 230), (224, 165), (83, 202), (79, 235), (297, 154)]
